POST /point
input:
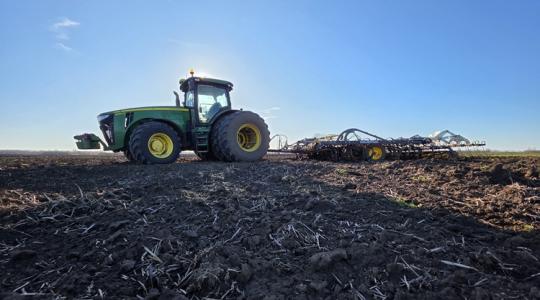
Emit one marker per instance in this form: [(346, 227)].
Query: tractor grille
[(106, 125)]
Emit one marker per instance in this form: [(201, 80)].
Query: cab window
[(211, 100), (190, 99)]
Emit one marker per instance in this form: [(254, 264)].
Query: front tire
[(240, 136), (154, 143)]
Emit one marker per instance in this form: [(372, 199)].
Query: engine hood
[(143, 108)]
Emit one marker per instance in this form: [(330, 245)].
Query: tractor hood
[(144, 108)]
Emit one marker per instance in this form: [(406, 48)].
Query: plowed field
[(99, 227)]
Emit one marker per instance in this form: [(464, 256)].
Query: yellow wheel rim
[(248, 137), (375, 153), (160, 145)]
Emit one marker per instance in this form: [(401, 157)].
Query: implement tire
[(376, 153), (240, 136), (154, 143)]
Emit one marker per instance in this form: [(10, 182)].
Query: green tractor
[(203, 122)]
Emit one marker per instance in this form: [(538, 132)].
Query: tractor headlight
[(102, 117), (106, 124)]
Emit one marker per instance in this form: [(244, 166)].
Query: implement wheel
[(240, 136), (154, 143), (376, 153)]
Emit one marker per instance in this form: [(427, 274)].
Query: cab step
[(201, 138)]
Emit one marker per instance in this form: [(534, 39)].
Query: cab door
[(210, 100), (190, 103)]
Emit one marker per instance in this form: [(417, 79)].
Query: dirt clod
[(532, 172), (118, 224), (153, 294), (323, 260), (318, 286), (22, 255), (127, 265), (349, 186), (499, 175), (191, 233), (245, 273)]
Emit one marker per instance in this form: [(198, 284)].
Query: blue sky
[(395, 68)]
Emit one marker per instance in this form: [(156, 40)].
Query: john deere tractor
[(203, 121)]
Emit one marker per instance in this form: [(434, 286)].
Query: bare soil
[(99, 227)]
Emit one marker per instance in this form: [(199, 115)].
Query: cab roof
[(184, 83)]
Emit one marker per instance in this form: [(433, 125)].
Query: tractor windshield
[(211, 100)]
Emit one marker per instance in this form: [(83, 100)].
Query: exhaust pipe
[(177, 98)]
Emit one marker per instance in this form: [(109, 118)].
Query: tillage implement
[(358, 145)]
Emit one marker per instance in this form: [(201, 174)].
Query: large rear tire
[(240, 136), (154, 143)]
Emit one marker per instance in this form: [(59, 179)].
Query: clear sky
[(395, 68)]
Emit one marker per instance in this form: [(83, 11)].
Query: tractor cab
[(207, 98)]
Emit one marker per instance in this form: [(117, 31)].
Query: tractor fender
[(221, 114)]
